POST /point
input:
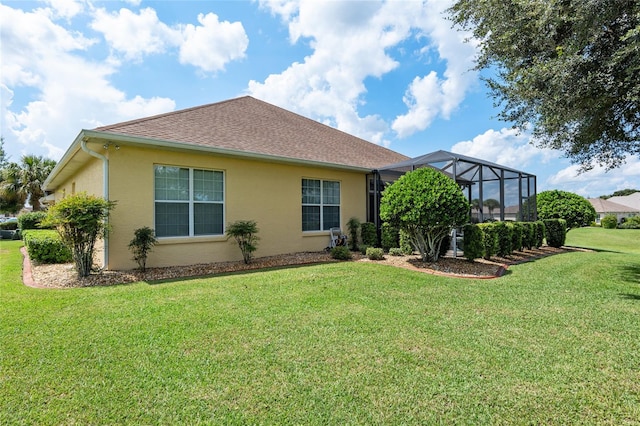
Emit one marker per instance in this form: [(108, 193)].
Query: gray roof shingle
[(250, 125)]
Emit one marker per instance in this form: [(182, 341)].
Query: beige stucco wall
[(269, 193)]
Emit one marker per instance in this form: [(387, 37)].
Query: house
[(606, 207), (631, 200), (189, 173)]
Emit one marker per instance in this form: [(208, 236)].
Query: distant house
[(606, 207), (632, 200), (189, 173)]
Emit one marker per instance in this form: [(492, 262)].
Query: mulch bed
[(64, 276)]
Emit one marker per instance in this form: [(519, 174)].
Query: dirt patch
[(64, 275)]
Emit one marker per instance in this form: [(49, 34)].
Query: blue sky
[(393, 73)]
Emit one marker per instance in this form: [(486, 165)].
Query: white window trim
[(191, 202), (323, 204)]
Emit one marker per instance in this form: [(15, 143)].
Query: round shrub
[(375, 253), (610, 221), (555, 232), (395, 251), (341, 253), (31, 220)]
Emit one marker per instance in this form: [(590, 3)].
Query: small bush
[(245, 233), (46, 246), (528, 234), (473, 242), (369, 234), (556, 232), (390, 236), (610, 221), (516, 235), (631, 223), (143, 241), (504, 238), (31, 220), (354, 227), (395, 251), (363, 249), (374, 253), (341, 253)]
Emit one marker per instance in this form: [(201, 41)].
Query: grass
[(556, 341)]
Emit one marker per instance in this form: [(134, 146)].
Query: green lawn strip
[(554, 341), (622, 240)]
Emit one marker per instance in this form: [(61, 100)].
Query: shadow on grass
[(630, 273), (630, 296), (232, 273)]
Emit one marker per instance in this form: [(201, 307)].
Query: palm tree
[(491, 204), (24, 181)]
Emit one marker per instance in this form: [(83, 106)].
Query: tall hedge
[(489, 239), (555, 232), (369, 234), (539, 233), (473, 241)]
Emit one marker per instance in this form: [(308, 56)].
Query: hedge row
[(45, 246), (503, 238)]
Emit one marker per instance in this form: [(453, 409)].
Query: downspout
[(105, 188)]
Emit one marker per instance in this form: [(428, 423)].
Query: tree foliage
[(426, 205), (81, 220), (573, 208), (620, 193), (569, 68), (23, 182)]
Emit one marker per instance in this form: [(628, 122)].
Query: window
[(188, 202), (320, 204)]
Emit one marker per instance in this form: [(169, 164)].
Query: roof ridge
[(166, 114)]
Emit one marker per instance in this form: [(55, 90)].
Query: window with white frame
[(188, 202), (320, 204)]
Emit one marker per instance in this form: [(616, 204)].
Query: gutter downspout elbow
[(105, 188)]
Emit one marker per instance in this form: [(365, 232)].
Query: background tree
[(573, 208), (23, 182), (426, 205), (621, 193), (569, 68), (491, 204), (4, 159)]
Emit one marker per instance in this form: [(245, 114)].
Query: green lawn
[(555, 341)]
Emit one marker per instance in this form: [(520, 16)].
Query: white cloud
[(70, 92), (211, 45), (432, 96), (508, 147), (598, 181), (133, 34), (66, 8), (351, 42), (208, 46)]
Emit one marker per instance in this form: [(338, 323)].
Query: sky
[(392, 72)]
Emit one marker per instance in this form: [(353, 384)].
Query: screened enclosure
[(495, 192)]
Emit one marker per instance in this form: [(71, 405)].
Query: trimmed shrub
[(390, 236), (363, 249), (369, 234), (473, 241), (539, 233), (245, 233), (489, 239), (341, 253), (516, 235), (375, 253), (610, 221), (46, 246), (143, 241), (353, 225), (395, 251), (31, 220), (555, 232), (528, 235), (504, 238)]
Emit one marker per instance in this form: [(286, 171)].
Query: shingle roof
[(250, 125), (605, 206)]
